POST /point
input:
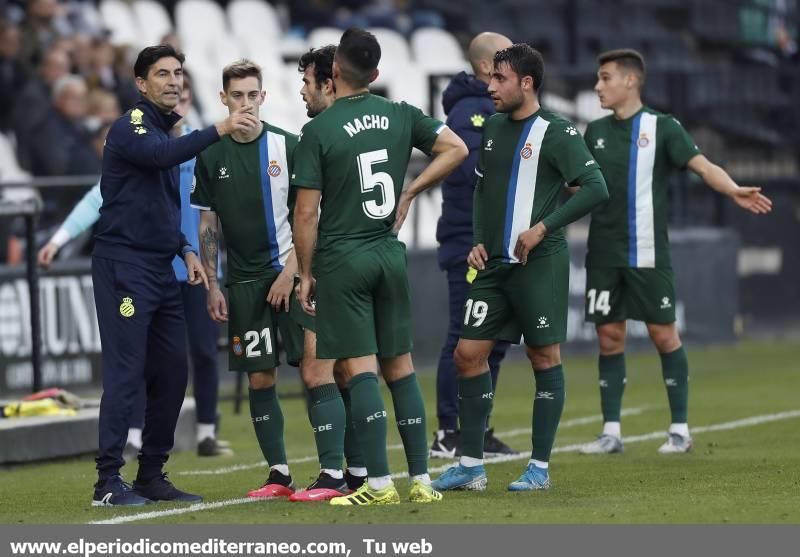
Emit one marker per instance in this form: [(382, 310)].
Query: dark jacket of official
[(467, 104), (140, 219)]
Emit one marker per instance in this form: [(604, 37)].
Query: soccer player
[(243, 181), (329, 408), (629, 273), (354, 158), (521, 288), (202, 331), (467, 104)]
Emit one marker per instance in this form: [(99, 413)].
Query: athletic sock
[(409, 411), (548, 403), (205, 431), (475, 397), (369, 421), (265, 410), (328, 422), (352, 450), (612, 385), (675, 370)]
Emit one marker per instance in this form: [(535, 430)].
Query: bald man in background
[(468, 106)]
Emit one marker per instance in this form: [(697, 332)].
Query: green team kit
[(522, 168), (362, 294), (247, 186), (629, 273)]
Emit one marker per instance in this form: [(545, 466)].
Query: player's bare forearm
[(305, 228), (713, 175), (209, 246), (290, 268), (448, 152), (748, 198)]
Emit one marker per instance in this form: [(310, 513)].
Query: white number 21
[(252, 338)]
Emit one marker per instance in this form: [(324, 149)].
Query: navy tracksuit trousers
[(143, 336), (203, 334)]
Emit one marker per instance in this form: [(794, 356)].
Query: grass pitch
[(745, 467)]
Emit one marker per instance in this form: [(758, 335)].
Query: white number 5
[(371, 180)]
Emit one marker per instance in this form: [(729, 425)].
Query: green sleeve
[(307, 174), (587, 137), (291, 147), (424, 129), (477, 211), (592, 192), (201, 194), (680, 145), (568, 152), (477, 206)]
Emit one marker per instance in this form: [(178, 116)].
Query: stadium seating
[(120, 20), (437, 51), (152, 19)]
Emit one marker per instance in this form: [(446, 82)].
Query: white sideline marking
[(735, 424), (583, 420)]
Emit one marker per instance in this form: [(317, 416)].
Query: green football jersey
[(522, 168), (636, 156), (247, 185), (357, 152)]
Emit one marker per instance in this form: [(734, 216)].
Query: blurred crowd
[(62, 83)]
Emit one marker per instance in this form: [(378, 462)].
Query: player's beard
[(511, 104)]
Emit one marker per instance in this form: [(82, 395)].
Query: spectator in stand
[(104, 73), (103, 109), (37, 93), (63, 144), (45, 22), (13, 74)]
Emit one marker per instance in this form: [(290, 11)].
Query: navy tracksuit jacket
[(138, 299), (467, 104)]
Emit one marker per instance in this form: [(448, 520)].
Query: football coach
[(138, 299)]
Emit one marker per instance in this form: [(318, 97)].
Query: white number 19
[(478, 311)]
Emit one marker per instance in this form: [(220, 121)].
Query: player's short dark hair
[(357, 56), (322, 60), (152, 54), (239, 70), (628, 59), (524, 60)]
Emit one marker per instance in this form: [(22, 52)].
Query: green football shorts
[(255, 328), (510, 300), (618, 293), (364, 305)]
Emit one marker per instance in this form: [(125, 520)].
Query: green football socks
[(548, 403), (612, 385), (409, 411), (474, 406), (675, 370), (369, 420), (265, 410), (328, 421), (352, 450)]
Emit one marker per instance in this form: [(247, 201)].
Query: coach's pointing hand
[(241, 121)]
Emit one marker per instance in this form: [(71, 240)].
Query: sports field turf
[(745, 468)]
